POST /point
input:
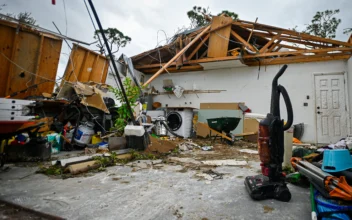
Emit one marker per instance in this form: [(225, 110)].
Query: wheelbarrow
[(223, 125)]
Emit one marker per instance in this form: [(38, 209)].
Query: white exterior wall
[(242, 85), (349, 88)]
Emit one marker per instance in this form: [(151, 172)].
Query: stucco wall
[(242, 85), (349, 88)]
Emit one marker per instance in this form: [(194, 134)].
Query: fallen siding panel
[(86, 65), (27, 56)]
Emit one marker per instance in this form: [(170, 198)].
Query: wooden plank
[(179, 61), (198, 47), (97, 72), (206, 60), (105, 72), (174, 69), (83, 75), (26, 55), (176, 56), (238, 37), (298, 52), (293, 39), (297, 59), (94, 66), (263, 49), (204, 54), (250, 35), (271, 48), (304, 36), (48, 65), (219, 40), (32, 91), (7, 46), (74, 64)]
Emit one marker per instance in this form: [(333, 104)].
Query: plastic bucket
[(336, 160)]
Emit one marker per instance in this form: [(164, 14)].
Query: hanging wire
[(65, 15), (112, 60)]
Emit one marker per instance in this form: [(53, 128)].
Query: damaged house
[(235, 61)]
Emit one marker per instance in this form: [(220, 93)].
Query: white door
[(331, 109)]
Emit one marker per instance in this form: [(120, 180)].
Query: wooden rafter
[(302, 47), (176, 56), (271, 48), (198, 47), (298, 52), (297, 59), (238, 37), (263, 49), (174, 69)]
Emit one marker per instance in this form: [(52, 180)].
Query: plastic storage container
[(84, 133), (136, 137), (336, 160)]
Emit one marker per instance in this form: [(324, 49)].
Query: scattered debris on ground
[(267, 209)]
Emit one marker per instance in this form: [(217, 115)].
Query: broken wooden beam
[(238, 37), (298, 52), (176, 56), (263, 49), (250, 35), (198, 47), (297, 59)]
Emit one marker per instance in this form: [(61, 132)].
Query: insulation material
[(86, 65), (28, 57)]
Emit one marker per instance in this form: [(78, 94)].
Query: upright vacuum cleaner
[(271, 183)]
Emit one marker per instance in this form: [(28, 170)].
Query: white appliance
[(154, 114), (180, 121)]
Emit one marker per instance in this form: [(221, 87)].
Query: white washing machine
[(180, 122)]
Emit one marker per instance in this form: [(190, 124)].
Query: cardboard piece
[(91, 95), (221, 106), (250, 125), (201, 130), (160, 146)]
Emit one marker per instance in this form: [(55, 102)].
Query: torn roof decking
[(268, 45)]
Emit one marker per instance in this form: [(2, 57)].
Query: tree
[(115, 38), (233, 15), (324, 24), (347, 30), (26, 17), (200, 16)]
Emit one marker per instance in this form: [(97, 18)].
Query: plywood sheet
[(24, 51), (87, 66), (6, 47), (26, 56), (48, 64), (218, 40)]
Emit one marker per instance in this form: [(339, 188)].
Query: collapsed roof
[(250, 43)]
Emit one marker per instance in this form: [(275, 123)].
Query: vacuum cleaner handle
[(274, 103), (288, 104), (279, 74)]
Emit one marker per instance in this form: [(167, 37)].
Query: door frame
[(346, 101)]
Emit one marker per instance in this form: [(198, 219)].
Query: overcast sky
[(141, 19)]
